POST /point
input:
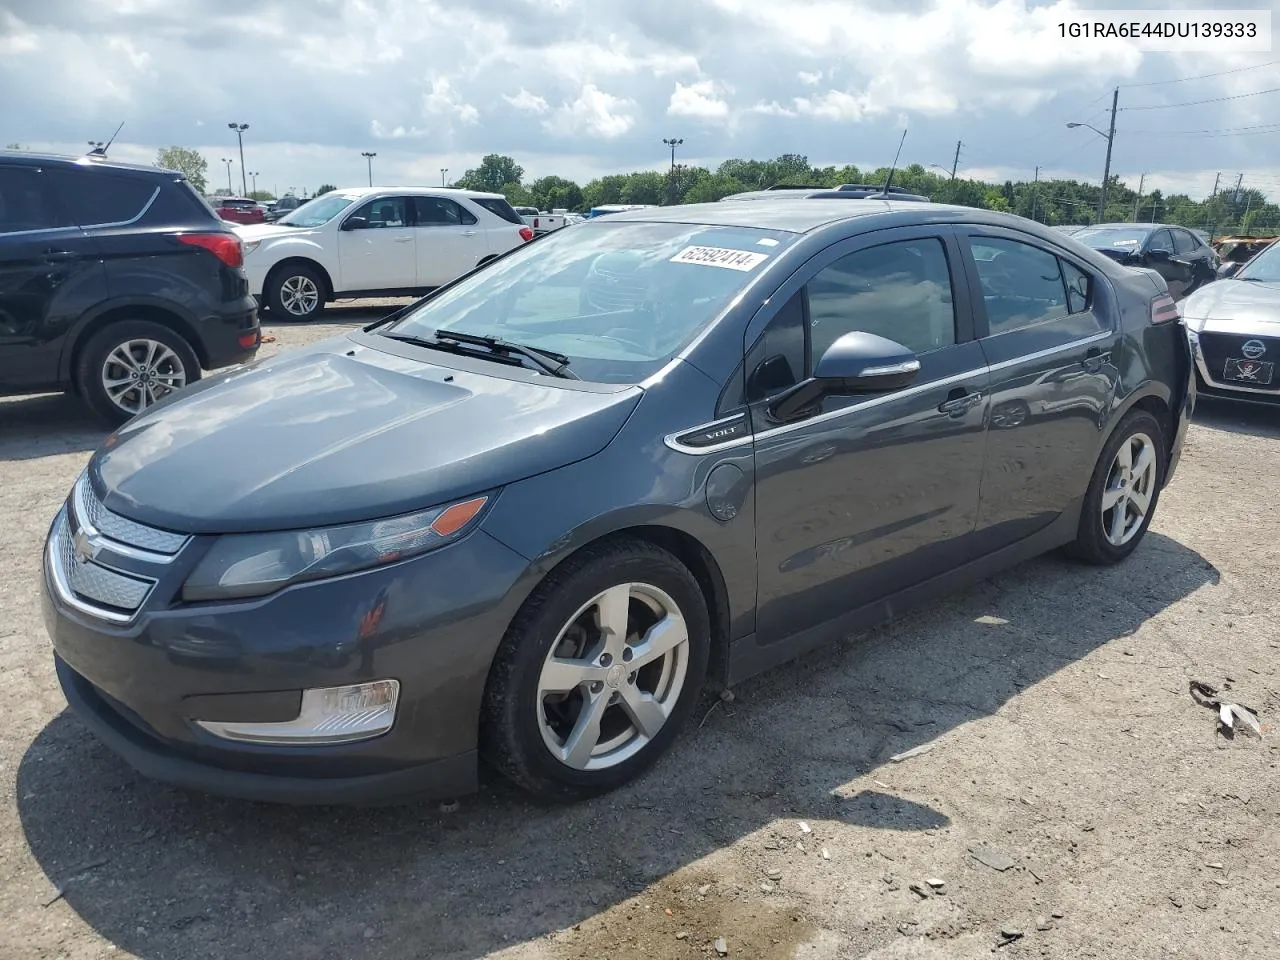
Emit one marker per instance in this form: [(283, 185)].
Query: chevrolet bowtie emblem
[(84, 547)]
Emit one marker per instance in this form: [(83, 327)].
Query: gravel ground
[(1065, 751)]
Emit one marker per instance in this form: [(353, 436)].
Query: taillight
[(1163, 309), (225, 246), (526, 234)]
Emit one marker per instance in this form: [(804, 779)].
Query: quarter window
[(1077, 287), (779, 358)]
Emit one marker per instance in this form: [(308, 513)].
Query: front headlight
[(248, 246), (256, 564)]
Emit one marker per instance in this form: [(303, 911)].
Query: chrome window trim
[(873, 402), (907, 366), (63, 589)]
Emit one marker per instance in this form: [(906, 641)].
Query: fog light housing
[(329, 715)]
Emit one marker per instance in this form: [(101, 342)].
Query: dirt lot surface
[(1065, 752)]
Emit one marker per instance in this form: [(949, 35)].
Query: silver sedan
[(1234, 326)]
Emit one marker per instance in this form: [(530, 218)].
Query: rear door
[(376, 247), (1159, 254), (867, 494), (1187, 246), (450, 241), (1046, 324), (50, 273)]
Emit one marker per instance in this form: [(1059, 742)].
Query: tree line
[(1054, 202)]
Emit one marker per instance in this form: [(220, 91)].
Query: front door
[(50, 273), (868, 494), (1160, 255), (375, 247), (449, 240), (1044, 323)]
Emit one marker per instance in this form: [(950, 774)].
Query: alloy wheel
[(1130, 487), (613, 676), (299, 296), (139, 373)]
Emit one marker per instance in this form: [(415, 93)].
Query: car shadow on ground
[(1254, 419), (45, 425), (162, 873)]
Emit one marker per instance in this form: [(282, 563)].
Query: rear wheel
[(1124, 491), (597, 673), (295, 291), (129, 366)]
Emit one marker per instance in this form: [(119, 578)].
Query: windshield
[(313, 213), (619, 299), (1265, 266), (1121, 237)]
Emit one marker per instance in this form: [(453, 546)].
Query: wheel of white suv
[(129, 366), (295, 292), (597, 672)]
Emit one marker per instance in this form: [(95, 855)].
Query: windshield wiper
[(556, 364)]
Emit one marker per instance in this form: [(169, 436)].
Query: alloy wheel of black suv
[(117, 283)]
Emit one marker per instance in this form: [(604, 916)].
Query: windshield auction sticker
[(1218, 31), (742, 260)]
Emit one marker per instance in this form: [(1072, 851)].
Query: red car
[(240, 210)]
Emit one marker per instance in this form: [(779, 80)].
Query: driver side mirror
[(1160, 255), (1228, 270), (856, 363), (355, 223)]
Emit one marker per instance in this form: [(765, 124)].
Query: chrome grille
[(89, 509), (89, 581)]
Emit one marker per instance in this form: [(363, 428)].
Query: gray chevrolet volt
[(528, 518)]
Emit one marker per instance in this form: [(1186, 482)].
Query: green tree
[(323, 189), (494, 173), (517, 195), (262, 196), (604, 190), (555, 193), (646, 186), (713, 187), (188, 162)]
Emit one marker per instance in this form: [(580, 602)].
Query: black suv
[(117, 282)]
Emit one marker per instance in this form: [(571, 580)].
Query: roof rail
[(795, 186)]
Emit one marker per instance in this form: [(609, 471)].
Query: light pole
[(240, 128), (672, 142), (368, 156), (444, 173), (1110, 138), (254, 177), (228, 162)]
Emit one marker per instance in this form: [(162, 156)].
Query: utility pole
[(240, 128), (1106, 170), (1215, 185), (956, 162), (369, 160), (1235, 198), (1138, 200)]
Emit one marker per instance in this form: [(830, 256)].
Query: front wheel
[(597, 672), (1123, 493), (295, 292)]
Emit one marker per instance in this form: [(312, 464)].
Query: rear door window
[(440, 212), (1022, 285), (1160, 240), (98, 197), (27, 201), (1184, 242)]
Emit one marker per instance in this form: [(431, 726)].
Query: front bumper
[(141, 679), (1214, 344)]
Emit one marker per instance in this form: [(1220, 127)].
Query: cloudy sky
[(585, 87)]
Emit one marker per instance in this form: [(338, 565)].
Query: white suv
[(375, 241)]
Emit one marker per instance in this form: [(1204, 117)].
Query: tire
[(295, 291), (1096, 540), (150, 355), (526, 730)]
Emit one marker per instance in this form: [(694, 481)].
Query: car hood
[(343, 432), (265, 231), (1244, 300)]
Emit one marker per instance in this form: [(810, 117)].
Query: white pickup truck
[(541, 221)]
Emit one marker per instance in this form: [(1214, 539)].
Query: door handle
[(1094, 358), (403, 239), (959, 402), (60, 256), (468, 233)]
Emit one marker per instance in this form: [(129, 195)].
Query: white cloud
[(701, 100), (594, 113), (809, 79), (524, 100), (442, 99), (838, 106)]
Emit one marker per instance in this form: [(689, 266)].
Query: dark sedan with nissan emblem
[(527, 519)]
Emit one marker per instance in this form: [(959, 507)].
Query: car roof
[(97, 163), (417, 191)]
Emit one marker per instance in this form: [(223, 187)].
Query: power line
[(1203, 76), (1196, 103), (1224, 131)]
